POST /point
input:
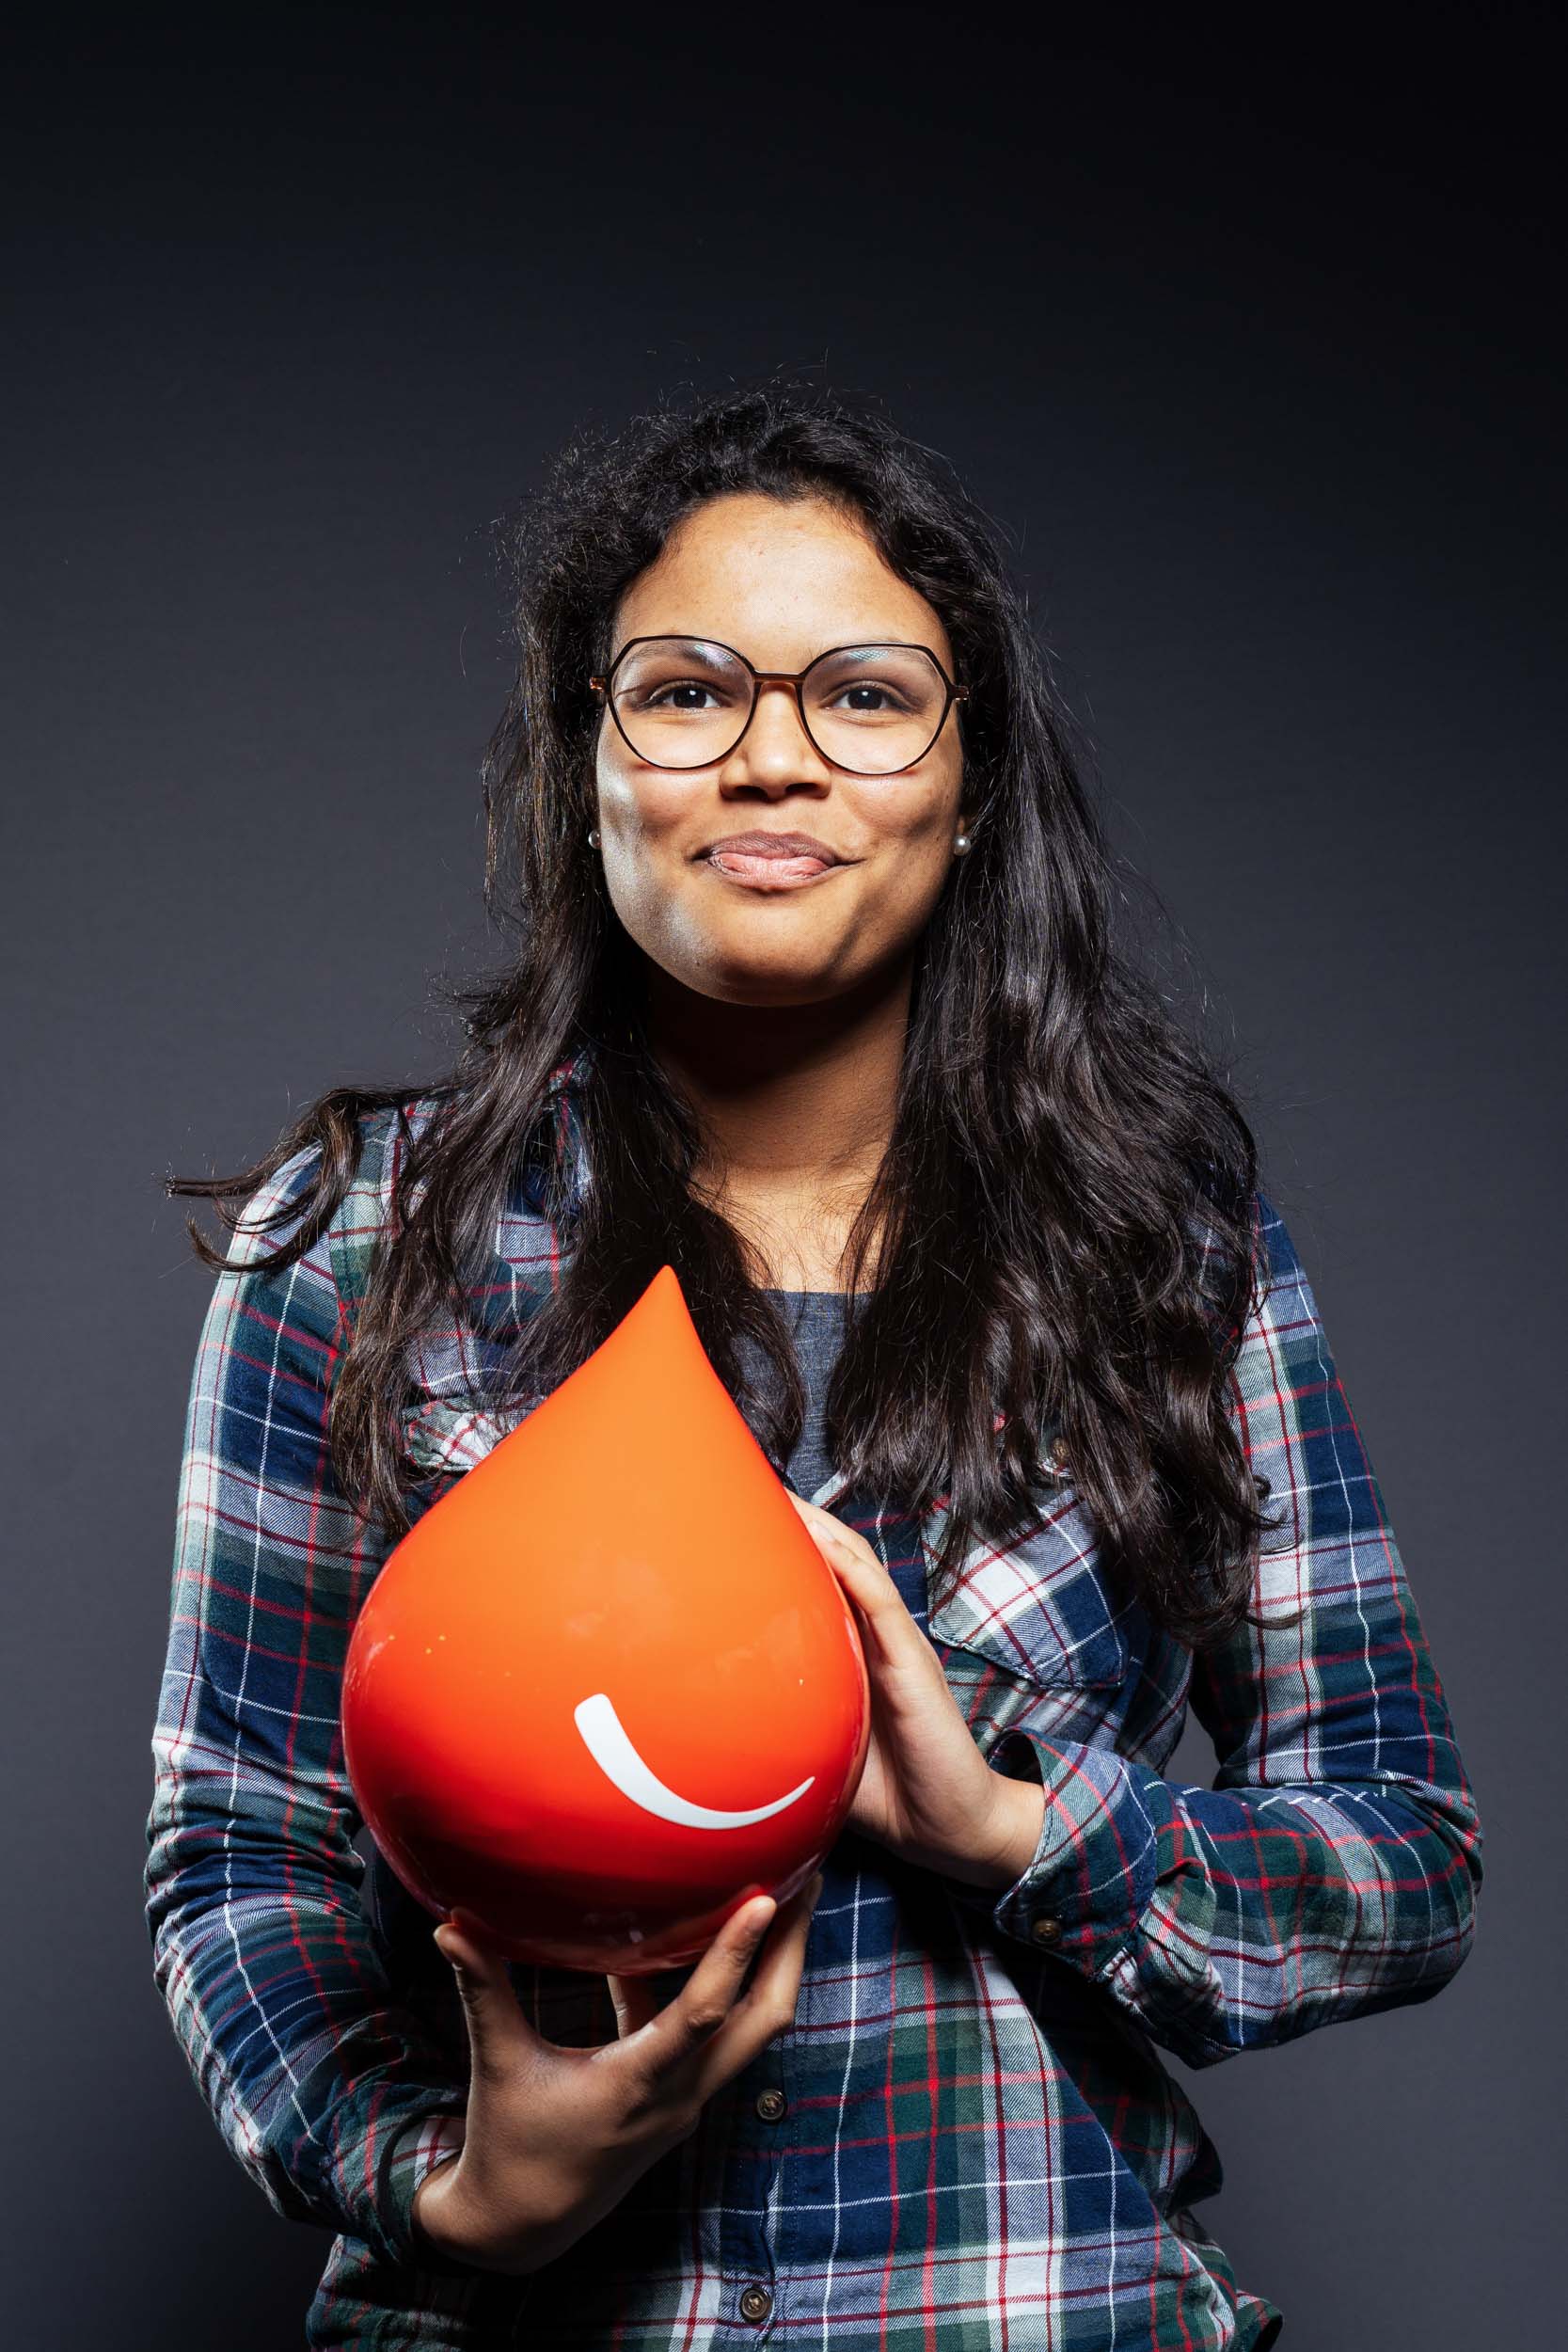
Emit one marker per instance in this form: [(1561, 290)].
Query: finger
[(768, 2007), (817, 1520), (711, 1990), (788, 1935), (498, 2030), (879, 1605), (843, 1542), (649, 1994), (638, 1999), (641, 1998)]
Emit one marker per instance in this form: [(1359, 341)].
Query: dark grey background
[(1254, 351)]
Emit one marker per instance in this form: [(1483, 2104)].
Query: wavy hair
[(1065, 1217)]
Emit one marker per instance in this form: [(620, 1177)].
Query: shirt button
[(1045, 1930), (771, 2104), (755, 2303)]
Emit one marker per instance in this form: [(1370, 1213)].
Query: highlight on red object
[(606, 1687)]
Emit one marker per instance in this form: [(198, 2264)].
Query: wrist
[(454, 2211), (1008, 1847), (431, 2211)]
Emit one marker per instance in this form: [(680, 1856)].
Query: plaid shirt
[(966, 2138)]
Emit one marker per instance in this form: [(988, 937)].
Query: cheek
[(639, 818), (919, 880), (921, 872), (916, 852), (642, 839)]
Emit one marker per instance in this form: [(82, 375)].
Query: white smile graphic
[(605, 1738)]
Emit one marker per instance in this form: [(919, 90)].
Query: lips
[(764, 856), (766, 865)]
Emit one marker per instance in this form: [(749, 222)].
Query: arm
[(1332, 1869), (317, 2079)]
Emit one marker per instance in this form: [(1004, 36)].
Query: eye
[(871, 698), (666, 697), (680, 697)]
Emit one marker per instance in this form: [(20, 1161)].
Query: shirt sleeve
[(415, 2153), (1333, 1868), (267, 1966)]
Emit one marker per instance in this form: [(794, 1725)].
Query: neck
[(794, 1100)]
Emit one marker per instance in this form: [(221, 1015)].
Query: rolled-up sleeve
[(313, 2071), (1333, 1868)]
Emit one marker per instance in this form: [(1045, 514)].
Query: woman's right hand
[(555, 2135)]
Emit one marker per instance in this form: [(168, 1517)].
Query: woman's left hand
[(925, 1792)]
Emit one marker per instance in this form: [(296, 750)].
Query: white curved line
[(605, 1738)]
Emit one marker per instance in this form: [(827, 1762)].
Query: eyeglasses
[(686, 702)]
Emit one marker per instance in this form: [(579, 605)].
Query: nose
[(775, 750)]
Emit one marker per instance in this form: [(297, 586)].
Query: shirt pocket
[(440, 1437), (1033, 1628)]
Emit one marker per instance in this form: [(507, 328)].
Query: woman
[(814, 1000)]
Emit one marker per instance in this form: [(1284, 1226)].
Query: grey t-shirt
[(817, 1319)]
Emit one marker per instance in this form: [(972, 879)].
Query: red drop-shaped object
[(608, 1688)]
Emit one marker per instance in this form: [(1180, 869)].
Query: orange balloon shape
[(608, 1688)]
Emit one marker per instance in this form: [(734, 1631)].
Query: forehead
[(780, 580)]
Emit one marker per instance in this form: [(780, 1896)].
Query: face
[(780, 582)]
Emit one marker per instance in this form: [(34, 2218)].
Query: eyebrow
[(850, 644), (699, 644)]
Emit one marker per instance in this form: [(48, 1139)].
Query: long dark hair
[(1064, 1216)]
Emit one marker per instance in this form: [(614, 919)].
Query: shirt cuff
[(411, 2157), (1092, 1873)]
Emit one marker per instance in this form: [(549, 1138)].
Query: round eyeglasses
[(686, 702)]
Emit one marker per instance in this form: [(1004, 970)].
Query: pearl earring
[(592, 838), (961, 843)]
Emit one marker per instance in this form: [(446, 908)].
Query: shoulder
[(343, 1252), (364, 1215), (1284, 1368), (1282, 1278)]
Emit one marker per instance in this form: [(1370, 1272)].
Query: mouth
[(781, 859)]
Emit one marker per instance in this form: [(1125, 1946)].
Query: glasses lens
[(681, 702), (874, 709)]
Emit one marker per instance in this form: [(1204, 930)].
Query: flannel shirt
[(966, 2138)]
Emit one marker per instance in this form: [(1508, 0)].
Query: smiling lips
[(605, 1738), (771, 857)]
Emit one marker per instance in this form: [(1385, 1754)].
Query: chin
[(739, 983)]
